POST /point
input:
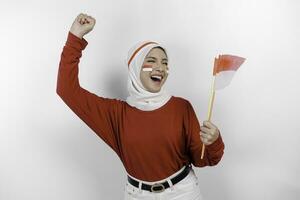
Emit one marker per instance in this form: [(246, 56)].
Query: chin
[(152, 88), (155, 90)]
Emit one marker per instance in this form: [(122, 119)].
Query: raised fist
[(82, 25)]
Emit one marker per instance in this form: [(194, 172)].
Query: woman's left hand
[(209, 132)]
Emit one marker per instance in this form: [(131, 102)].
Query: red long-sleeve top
[(152, 145)]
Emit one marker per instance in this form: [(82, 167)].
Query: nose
[(159, 67)]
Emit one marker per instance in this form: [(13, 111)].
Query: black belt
[(160, 187)]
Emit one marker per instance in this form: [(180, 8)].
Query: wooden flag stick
[(210, 106)]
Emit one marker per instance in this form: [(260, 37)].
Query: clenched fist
[(208, 133), (82, 25)]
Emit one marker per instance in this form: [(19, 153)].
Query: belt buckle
[(157, 185)]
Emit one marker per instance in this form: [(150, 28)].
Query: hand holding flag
[(209, 133)]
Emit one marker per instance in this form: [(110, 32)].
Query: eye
[(152, 61)]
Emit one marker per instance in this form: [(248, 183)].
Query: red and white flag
[(225, 67)]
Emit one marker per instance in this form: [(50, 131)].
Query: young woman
[(157, 136)]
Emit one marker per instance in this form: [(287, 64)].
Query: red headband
[(136, 51)]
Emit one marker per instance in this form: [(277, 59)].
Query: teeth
[(159, 77)]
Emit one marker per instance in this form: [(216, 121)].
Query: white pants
[(186, 189)]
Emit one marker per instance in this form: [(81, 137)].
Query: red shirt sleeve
[(213, 152), (101, 114)]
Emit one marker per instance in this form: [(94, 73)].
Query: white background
[(47, 152)]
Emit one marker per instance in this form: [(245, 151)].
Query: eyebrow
[(155, 58)]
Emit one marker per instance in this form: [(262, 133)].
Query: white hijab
[(139, 97)]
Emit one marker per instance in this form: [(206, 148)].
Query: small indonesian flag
[(225, 67)]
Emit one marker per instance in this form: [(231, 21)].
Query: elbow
[(65, 93), (59, 91), (59, 86), (62, 87)]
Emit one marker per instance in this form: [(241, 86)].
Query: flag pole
[(210, 106)]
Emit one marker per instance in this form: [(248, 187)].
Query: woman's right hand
[(82, 25)]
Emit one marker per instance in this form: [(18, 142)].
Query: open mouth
[(156, 79)]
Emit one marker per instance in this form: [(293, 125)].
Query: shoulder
[(112, 103), (185, 105), (119, 101), (181, 100)]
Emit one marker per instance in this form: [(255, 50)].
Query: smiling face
[(156, 60)]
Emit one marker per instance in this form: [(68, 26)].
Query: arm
[(101, 114), (213, 152)]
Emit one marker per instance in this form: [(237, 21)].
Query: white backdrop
[(47, 152)]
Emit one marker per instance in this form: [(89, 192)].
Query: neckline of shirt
[(155, 110)]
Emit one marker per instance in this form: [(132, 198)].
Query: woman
[(156, 135)]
